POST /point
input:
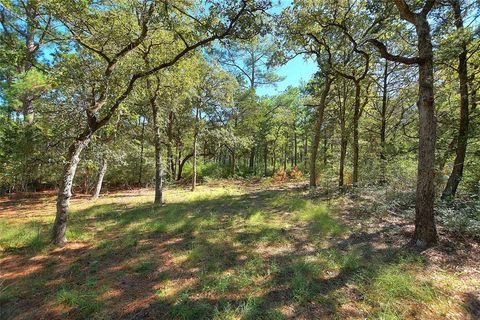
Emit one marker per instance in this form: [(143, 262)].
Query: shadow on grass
[(260, 255)]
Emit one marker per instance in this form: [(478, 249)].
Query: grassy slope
[(225, 252)]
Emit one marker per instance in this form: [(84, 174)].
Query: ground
[(229, 251)]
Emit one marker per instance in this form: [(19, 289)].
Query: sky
[(295, 72)]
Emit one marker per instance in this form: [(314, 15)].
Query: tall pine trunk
[(457, 170), (27, 99), (425, 234)]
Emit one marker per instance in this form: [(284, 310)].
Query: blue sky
[(294, 72)]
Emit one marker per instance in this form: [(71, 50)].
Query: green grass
[(84, 302), (219, 253), (30, 235)]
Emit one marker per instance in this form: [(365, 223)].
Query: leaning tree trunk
[(457, 171), (65, 190), (101, 175), (317, 133), (425, 234)]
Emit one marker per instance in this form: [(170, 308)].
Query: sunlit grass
[(29, 235), (220, 252)]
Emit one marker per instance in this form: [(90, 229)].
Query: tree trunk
[(305, 149), (457, 171), (27, 100), (251, 161), (140, 174), (194, 174), (317, 133), (233, 163), (65, 190), (274, 160), (285, 150), (295, 145), (101, 175), (170, 160), (158, 153), (343, 153), (425, 234), (356, 119), (265, 159), (383, 126), (325, 148)]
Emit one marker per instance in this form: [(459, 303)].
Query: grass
[(219, 253)]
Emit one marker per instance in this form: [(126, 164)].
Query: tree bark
[(65, 190), (158, 153), (101, 175), (170, 159), (285, 151), (343, 154), (140, 173), (461, 150), (318, 128), (356, 120), (295, 145), (31, 47), (305, 149), (251, 161), (194, 174), (325, 148), (383, 126), (425, 234), (265, 159), (233, 163)]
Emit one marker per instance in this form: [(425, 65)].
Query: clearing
[(229, 251)]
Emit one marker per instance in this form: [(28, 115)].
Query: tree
[(319, 115), (462, 138), (26, 27), (149, 15), (425, 234), (250, 60)]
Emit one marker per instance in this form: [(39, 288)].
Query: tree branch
[(382, 49)]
